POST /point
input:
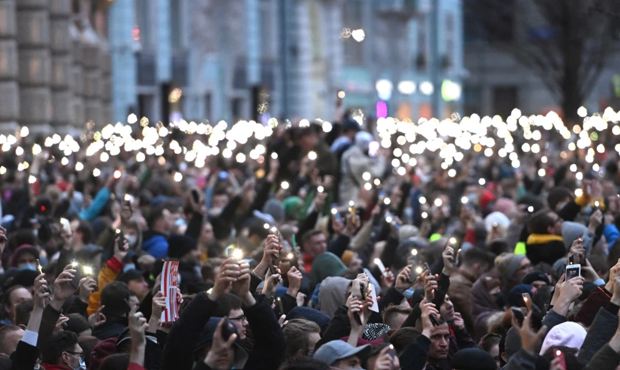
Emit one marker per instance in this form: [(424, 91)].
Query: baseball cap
[(335, 350)]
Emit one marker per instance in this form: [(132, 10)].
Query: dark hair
[(489, 340), (309, 235), (115, 361), (56, 345), (154, 215), (6, 298), (226, 303), (304, 363), (401, 338), (115, 298), (394, 310), (540, 222), (296, 335), (4, 331), (473, 255), (86, 231), (22, 312), (557, 195), (257, 227)]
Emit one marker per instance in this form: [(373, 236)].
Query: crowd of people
[(324, 250)]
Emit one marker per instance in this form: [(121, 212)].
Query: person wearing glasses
[(62, 352)]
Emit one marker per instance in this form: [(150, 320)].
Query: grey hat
[(335, 350)]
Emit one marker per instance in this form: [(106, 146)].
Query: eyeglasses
[(238, 318)]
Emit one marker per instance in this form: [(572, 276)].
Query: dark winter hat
[(180, 245), (473, 359)]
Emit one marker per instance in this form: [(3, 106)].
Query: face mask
[(82, 365), (27, 266), (131, 239), (180, 223)]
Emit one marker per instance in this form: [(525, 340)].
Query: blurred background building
[(54, 63), (221, 59), (496, 82)]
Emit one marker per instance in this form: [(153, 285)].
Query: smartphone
[(195, 196), (119, 238), (373, 148), (562, 360), (527, 300), (228, 329), (357, 290), (78, 275), (518, 314), (573, 270), (128, 198), (380, 265)]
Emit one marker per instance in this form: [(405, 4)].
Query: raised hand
[(615, 296), (97, 318), (529, 338), (63, 287), (86, 287), (428, 310), (577, 250), (357, 309), (387, 359), (294, 277), (137, 330), (241, 286), (271, 253), (613, 272), (449, 260), (221, 353), (430, 287), (271, 282), (121, 247), (41, 292), (137, 326), (228, 273), (403, 279), (569, 291), (458, 320)]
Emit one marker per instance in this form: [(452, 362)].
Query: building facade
[(496, 83), (221, 59), (54, 64)]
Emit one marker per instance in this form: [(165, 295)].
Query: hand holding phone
[(573, 270), (228, 329)]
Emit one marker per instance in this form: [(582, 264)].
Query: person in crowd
[(390, 247)]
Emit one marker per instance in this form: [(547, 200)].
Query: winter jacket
[(108, 273)]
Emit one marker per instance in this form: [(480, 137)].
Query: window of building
[(421, 43), (207, 106), (505, 99), (448, 54), (146, 105), (142, 11), (267, 29), (472, 98), (352, 18), (176, 24)]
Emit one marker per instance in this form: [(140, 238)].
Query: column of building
[(34, 63), (60, 43), (9, 88), (76, 85), (299, 60), (334, 54), (91, 55)]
